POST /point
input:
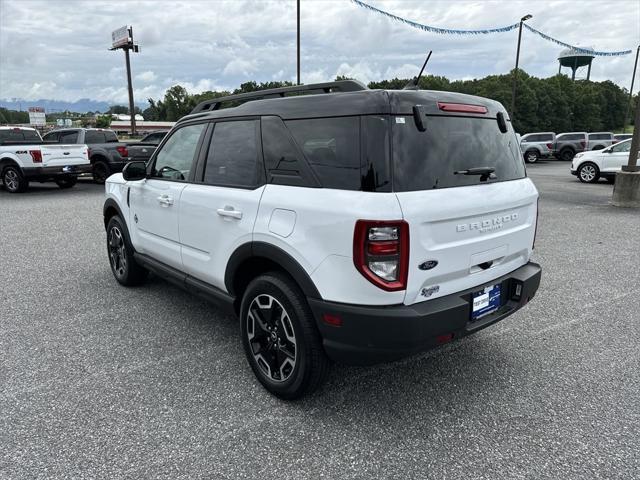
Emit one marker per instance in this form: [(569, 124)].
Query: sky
[(58, 49)]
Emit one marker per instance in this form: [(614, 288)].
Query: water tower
[(574, 59)]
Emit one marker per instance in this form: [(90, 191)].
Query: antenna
[(413, 84)]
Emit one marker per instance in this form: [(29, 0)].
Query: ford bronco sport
[(336, 221)]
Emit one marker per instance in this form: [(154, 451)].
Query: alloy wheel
[(588, 173), (532, 157), (271, 338), (11, 180), (117, 252)]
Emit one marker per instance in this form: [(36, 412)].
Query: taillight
[(583, 145), (36, 156), (123, 151), (550, 146), (381, 252), (535, 231)]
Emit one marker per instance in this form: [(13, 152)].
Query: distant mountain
[(53, 106)]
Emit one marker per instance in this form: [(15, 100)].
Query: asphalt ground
[(100, 381)]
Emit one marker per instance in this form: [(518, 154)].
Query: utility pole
[(122, 38), (298, 38), (515, 72), (633, 77)]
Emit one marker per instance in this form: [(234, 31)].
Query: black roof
[(338, 102)]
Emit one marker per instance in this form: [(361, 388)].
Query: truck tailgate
[(62, 155)]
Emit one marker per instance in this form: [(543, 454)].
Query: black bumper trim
[(373, 334)]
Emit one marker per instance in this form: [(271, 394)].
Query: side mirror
[(134, 171)]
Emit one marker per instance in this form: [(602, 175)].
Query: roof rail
[(314, 88)]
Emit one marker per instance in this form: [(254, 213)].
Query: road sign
[(121, 37), (37, 116)]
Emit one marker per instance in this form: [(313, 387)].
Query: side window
[(332, 148), (110, 137), (31, 135), (282, 159), (233, 157), (376, 172), (175, 159), (51, 137), (622, 147), (546, 138), (93, 137), (69, 137)]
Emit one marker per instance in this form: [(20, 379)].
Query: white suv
[(347, 224)]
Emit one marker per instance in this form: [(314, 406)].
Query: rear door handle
[(229, 211), (165, 200)]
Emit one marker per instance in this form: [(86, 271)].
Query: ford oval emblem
[(428, 265)]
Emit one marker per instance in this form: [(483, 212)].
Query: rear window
[(19, 134), (332, 149), (570, 136), (427, 160)]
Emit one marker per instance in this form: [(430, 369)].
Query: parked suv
[(600, 140), (566, 145), (535, 146), (347, 224)]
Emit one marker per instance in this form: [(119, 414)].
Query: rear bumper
[(371, 335), (58, 170)]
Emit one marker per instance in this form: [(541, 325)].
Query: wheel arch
[(6, 161), (110, 209), (254, 258)]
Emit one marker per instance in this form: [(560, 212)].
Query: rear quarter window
[(93, 137), (332, 149)]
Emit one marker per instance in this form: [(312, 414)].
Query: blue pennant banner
[(507, 28), (427, 28)]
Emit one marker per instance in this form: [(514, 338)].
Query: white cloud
[(224, 46), (146, 77)]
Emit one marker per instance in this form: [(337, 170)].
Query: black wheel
[(589, 173), (280, 338), (567, 155), (101, 172), (13, 179), (124, 267), (598, 147), (532, 156), (66, 182)]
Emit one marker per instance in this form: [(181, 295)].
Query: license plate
[(485, 301)]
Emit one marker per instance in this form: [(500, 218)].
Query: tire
[(611, 179), (531, 156), (101, 172), (66, 182), (120, 252), (598, 147), (288, 340), (13, 179), (567, 154), (589, 172)]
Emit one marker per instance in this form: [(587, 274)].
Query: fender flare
[(6, 160), (111, 203), (275, 254)]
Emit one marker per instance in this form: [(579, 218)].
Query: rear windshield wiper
[(484, 172)]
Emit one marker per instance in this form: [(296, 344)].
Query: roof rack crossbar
[(314, 88)]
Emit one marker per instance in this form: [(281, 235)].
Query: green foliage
[(103, 121), (13, 116), (542, 104)]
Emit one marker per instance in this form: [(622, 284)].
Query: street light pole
[(515, 72), (298, 38), (633, 77), (130, 88)]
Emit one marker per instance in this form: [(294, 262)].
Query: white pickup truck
[(25, 157)]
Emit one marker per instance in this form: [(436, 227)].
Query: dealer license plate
[(485, 301)]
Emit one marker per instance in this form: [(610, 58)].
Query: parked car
[(106, 153), (142, 150), (566, 145), (24, 158), (590, 166), (618, 137), (535, 146), (600, 140), (355, 225)]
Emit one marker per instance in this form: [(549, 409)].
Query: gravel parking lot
[(99, 381)]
